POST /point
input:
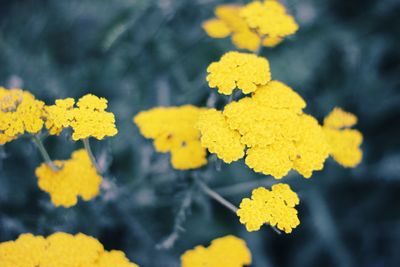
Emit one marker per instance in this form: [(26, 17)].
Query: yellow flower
[(338, 118), (238, 70), (216, 28), (218, 138), (230, 15), (20, 113), (173, 130), (344, 143), (59, 249), (76, 177), (271, 41), (269, 18), (228, 251), (278, 135), (246, 40), (60, 115), (275, 207), (88, 119)]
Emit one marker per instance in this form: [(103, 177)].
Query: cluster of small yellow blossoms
[(228, 251), (60, 249), (20, 113), (257, 23), (173, 130), (278, 135), (238, 70), (275, 207), (76, 177), (344, 142), (87, 119)]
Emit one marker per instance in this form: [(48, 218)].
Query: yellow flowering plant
[(21, 114), (262, 121)]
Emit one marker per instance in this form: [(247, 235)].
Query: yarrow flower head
[(173, 130), (252, 25), (76, 177), (272, 126), (59, 249), (20, 113), (229, 251), (269, 18), (88, 118), (344, 142), (275, 207), (238, 70)]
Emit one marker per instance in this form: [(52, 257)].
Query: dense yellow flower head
[(88, 118), (344, 143), (20, 113), (275, 207), (230, 21), (269, 18), (278, 135), (59, 249), (228, 251), (218, 138), (173, 130), (76, 177), (238, 70)]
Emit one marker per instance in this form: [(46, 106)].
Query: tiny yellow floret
[(275, 207), (228, 251)]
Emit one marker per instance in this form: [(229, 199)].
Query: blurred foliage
[(144, 53)]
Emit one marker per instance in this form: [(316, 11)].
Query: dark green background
[(145, 53)]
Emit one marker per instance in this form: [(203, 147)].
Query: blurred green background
[(145, 53)]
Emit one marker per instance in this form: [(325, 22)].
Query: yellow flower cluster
[(257, 23), (173, 130), (344, 142), (87, 119), (238, 70), (59, 249), (278, 135), (275, 207), (228, 251), (20, 113), (76, 177), (269, 18)]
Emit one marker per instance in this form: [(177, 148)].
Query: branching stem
[(39, 144), (86, 144)]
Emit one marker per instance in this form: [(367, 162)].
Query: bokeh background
[(145, 53)]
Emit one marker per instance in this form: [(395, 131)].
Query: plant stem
[(211, 193), (207, 190), (86, 144), (43, 151)]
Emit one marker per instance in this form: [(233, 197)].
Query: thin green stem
[(214, 195), (86, 144), (43, 151)]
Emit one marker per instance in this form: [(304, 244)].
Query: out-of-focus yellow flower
[(275, 207), (229, 251), (59, 249), (20, 113), (344, 143), (278, 135), (246, 40), (238, 70), (271, 41), (216, 28), (76, 177), (269, 18), (88, 119), (218, 138), (173, 130)]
